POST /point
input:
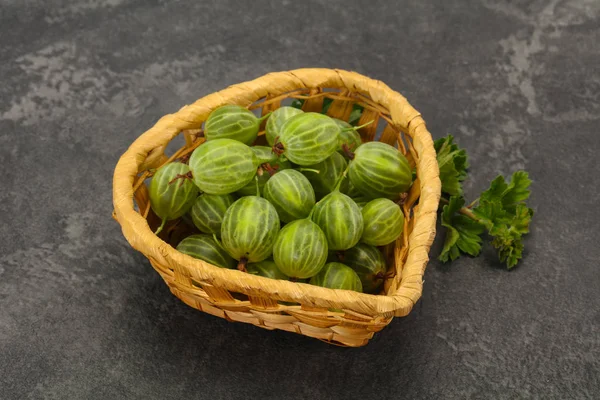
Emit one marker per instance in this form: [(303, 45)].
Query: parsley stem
[(464, 211), (473, 203)]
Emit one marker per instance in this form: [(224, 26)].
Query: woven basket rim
[(404, 117)]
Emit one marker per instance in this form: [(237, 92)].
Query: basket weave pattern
[(337, 316)]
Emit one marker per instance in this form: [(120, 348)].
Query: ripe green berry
[(276, 120), (266, 268), (368, 263), (222, 166), (172, 192), (249, 229), (205, 248), (348, 137), (308, 138), (300, 249), (380, 170), (291, 194), (232, 122), (330, 171), (264, 172), (337, 276), (384, 222), (208, 211)]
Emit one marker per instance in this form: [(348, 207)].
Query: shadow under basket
[(339, 317)]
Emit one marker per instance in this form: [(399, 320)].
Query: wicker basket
[(336, 316)]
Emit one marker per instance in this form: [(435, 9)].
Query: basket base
[(343, 332)]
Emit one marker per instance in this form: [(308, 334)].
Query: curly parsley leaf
[(453, 164), (463, 233)]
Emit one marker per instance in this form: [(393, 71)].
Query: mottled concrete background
[(83, 316)]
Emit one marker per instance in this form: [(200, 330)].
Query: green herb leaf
[(509, 194), (503, 211), (508, 244), (297, 103), (508, 236), (490, 212), (453, 164), (521, 220), (326, 104), (355, 114), (463, 233)]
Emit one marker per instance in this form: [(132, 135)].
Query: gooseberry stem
[(261, 119), (402, 199), (270, 168), (183, 177), (464, 211), (472, 204), (160, 228), (277, 148), (381, 275), (339, 181), (257, 186), (184, 159), (316, 171), (348, 151), (242, 264), (355, 128)]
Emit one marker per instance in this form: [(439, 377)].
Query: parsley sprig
[(500, 210)]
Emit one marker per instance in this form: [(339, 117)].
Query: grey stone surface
[(83, 316)]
